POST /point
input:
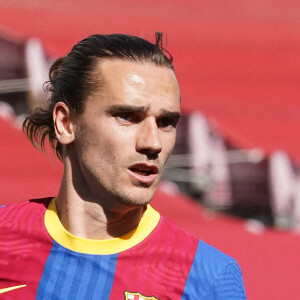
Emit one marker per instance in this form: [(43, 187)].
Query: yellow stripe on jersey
[(2, 291), (56, 230)]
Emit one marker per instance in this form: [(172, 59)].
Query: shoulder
[(177, 236), (204, 253), (214, 275), (24, 210)]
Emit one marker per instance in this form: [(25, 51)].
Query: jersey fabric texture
[(39, 259)]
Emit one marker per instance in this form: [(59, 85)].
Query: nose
[(148, 140)]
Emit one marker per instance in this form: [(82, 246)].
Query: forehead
[(141, 83), (120, 68)]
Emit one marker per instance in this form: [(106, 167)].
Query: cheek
[(105, 145), (169, 140)]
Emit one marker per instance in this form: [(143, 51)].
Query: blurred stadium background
[(234, 177)]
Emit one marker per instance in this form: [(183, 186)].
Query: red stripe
[(157, 267), (24, 248)]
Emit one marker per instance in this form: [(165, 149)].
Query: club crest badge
[(137, 296)]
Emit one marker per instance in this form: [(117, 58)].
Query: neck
[(93, 218)]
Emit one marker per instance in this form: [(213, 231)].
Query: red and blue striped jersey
[(39, 259)]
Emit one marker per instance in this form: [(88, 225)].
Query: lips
[(143, 173), (144, 169)]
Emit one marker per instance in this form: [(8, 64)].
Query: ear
[(64, 129)]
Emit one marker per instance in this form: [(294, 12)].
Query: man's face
[(126, 132)]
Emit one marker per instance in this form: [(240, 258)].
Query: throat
[(91, 221)]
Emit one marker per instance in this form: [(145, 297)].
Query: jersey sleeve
[(228, 284), (214, 276)]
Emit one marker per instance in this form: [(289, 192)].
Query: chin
[(140, 197)]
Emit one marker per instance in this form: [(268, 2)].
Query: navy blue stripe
[(92, 283), (59, 287), (71, 275), (106, 279), (50, 273), (74, 285)]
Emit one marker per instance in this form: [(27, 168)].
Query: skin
[(116, 150)]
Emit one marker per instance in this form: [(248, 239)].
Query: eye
[(127, 117), (167, 123), (124, 117)]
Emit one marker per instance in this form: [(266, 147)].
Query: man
[(111, 118)]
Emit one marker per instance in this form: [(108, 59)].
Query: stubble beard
[(138, 198)]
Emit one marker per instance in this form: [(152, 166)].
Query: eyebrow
[(141, 109), (126, 108), (172, 115)]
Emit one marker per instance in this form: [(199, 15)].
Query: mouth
[(143, 173), (144, 169)]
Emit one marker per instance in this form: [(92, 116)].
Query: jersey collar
[(104, 247)]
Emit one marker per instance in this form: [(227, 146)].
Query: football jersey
[(40, 259)]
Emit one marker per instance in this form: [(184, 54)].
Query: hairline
[(96, 71)]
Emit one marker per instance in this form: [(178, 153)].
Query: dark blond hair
[(72, 78)]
